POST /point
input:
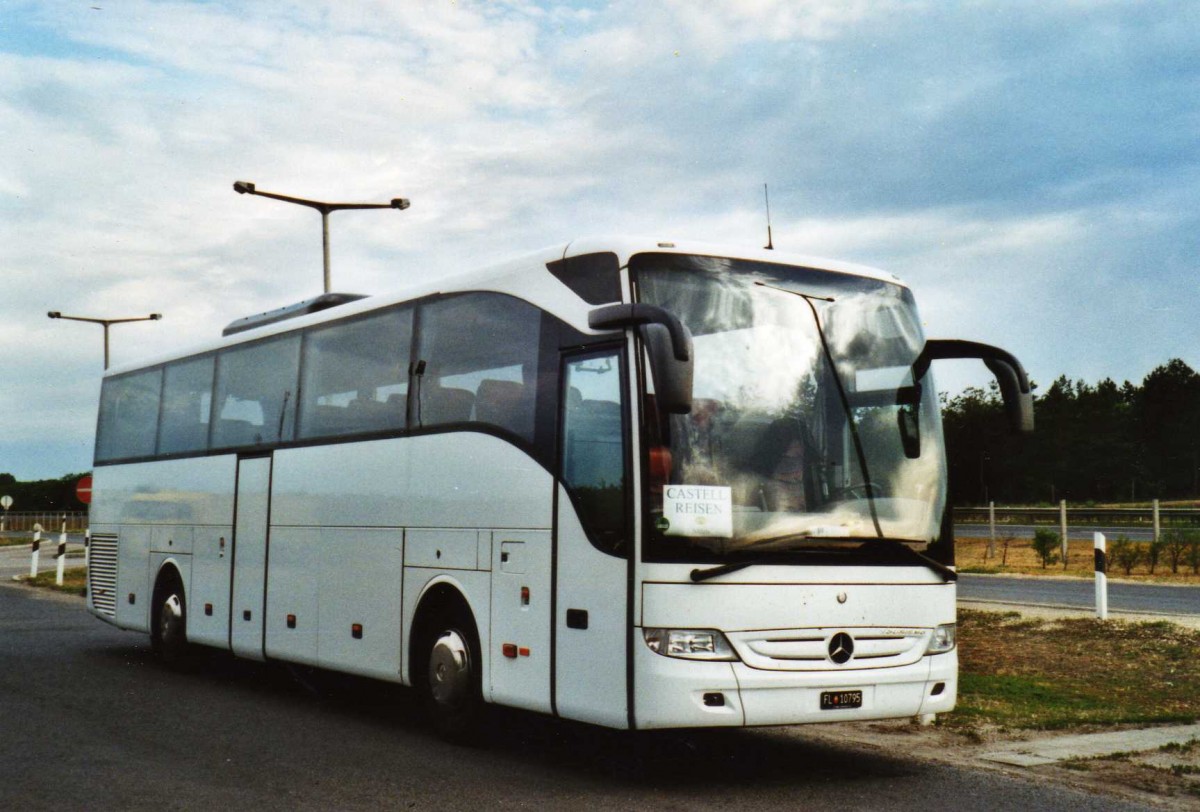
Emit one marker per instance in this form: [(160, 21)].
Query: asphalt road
[(88, 719), (1075, 592)]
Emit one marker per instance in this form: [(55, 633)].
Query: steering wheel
[(857, 490)]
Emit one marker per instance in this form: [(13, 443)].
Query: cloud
[(1030, 169)]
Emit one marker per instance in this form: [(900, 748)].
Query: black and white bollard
[(1101, 576), (61, 557), (33, 558)]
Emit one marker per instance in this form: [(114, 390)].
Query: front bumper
[(671, 692)]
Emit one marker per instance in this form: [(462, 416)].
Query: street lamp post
[(243, 187), (105, 323)]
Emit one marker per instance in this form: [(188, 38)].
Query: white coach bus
[(639, 484)]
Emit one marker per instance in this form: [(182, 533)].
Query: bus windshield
[(807, 428)]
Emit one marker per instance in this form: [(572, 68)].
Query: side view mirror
[(1014, 383), (668, 343)]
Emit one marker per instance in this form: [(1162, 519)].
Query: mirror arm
[(1015, 389), (946, 348), (620, 316)]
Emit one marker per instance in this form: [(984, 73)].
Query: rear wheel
[(452, 678), (168, 632)]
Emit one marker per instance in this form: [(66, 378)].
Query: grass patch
[(1024, 673), (1176, 747), (74, 580)]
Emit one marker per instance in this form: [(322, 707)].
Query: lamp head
[(155, 316), (243, 186), (55, 314), (400, 203)]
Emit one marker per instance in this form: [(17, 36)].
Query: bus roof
[(526, 277)]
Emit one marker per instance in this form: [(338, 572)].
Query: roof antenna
[(770, 246)]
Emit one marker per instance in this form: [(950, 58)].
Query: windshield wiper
[(948, 574), (773, 557), (697, 575)]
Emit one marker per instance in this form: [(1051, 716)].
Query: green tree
[(1169, 428)]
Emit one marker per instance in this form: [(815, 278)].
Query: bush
[(1125, 553), (1046, 544), (1154, 551), (1175, 544)]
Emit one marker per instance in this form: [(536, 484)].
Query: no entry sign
[(83, 490)]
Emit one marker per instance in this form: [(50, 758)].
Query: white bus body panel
[(462, 480), (361, 577), (734, 607), (780, 632), (325, 582), (359, 531), (521, 607), (176, 507)]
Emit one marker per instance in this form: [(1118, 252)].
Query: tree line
[(43, 495), (1094, 443)]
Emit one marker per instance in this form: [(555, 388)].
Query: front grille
[(808, 649), (102, 573)]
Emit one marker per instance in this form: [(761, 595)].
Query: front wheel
[(452, 687)]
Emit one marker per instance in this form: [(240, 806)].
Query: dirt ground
[(1170, 780)]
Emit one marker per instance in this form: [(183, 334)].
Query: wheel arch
[(441, 596), (169, 573)]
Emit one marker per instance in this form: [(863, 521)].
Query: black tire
[(168, 626), (451, 677)]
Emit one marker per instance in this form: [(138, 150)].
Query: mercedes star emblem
[(841, 648)]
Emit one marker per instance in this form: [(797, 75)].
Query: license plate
[(836, 700)]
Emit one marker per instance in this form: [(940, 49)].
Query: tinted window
[(479, 356), (186, 406), (593, 464), (256, 393), (356, 376), (128, 416), (595, 278)]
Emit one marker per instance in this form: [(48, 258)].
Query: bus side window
[(256, 390), (186, 406), (593, 449), (355, 377), (480, 354), (128, 405)]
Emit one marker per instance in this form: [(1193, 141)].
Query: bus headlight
[(690, 644), (944, 639)]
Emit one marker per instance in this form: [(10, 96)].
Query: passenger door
[(250, 529), (594, 532)]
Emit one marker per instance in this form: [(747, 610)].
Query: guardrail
[(1052, 516)]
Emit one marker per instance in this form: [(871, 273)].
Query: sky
[(1030, 169)]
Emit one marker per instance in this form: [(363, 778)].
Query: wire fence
[(50, 521)]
